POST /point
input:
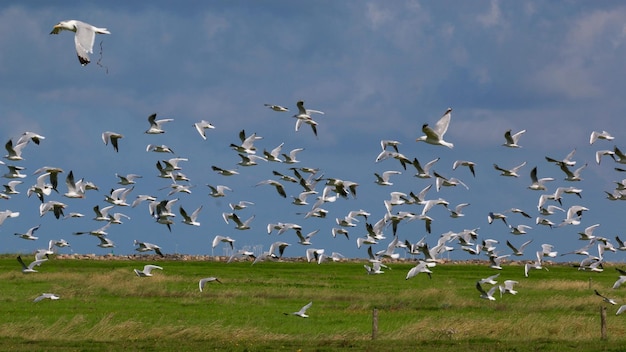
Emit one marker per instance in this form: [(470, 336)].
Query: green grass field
[(105, 307)]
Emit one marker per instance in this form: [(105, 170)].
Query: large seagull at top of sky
[(84, 37)]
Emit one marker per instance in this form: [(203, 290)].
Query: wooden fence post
[(603, 322), (374, 323)]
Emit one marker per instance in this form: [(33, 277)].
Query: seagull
[(457, 212), (302, 312), (217, 239), (304, 115), (423, 172), (566, 161), (247, 143), (280, 245), (547, 250), (512, 140), (14, 152), (279, 187), (435, 136), (105, 242), (118, 196), (14, 172), (572, 175), (113, 137), (43, 296), (31, 266), (305, 240), (518, 251), (147, 247), (389, 143), (538, 183), (621, 309), (291, 157), (493, 216), (600, 135), (601, 153), (486, 295), (509, 172), (203, 282), (240, 225), (490, 280), (605, 299), (619, 282), (383, 179), (519, 229), (242, 204), (155, 125), (508, 287), (224, 172), (147, 270), (29, 234), (32, 136), (421, 267), (159, 148), (190, 219), (218, 191), (274, 154), (127, 179), (276, 107), (202, 126), (84, 37), (314, 253), (469, 164)]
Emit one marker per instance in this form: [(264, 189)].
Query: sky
[(378, 71)]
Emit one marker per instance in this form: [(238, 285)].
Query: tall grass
[(104, 302)]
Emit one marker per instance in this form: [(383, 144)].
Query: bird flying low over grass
[(204, 281), (302, 312)]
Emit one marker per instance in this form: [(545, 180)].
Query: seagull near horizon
[(435, 136), (84, 37), (31, 267), (147, 270)]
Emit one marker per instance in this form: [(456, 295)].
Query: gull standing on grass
[(84, 37)]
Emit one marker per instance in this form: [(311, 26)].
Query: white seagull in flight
[(84, 37), (435, 136)]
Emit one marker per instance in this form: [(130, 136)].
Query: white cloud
[(493, 17)]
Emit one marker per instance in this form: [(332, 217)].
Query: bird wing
[(84, 38), (442, 125)]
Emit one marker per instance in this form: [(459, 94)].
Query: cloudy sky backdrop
[(379, 70)]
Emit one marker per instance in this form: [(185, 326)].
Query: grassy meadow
[(104, 306)]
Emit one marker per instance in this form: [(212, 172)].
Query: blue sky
[(379, 70)]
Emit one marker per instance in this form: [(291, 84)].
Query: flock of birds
[(313, 184)]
